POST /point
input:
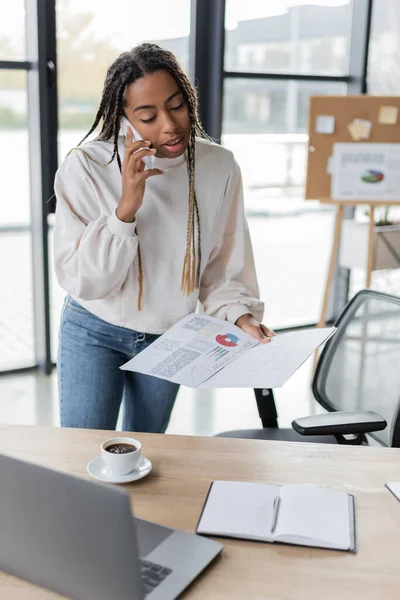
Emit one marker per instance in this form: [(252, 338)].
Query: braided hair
[(143, 60)]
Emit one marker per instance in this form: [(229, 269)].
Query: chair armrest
[(340, 422)]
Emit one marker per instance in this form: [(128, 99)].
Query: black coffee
[(121, 448)]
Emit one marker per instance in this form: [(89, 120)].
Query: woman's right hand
[(134, 177)]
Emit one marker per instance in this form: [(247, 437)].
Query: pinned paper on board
[(366, 172), (388, 115), (359, 129), (330, 165), (355, 131), (325, 124)]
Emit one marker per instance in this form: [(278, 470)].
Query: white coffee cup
[(123, 463)]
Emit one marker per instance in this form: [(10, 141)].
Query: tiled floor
[(32, 399)]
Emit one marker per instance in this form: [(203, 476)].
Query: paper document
[(330, 165), (271, 365), (359, 129), (388, 115), (366, 172), (394, 487), (201, 351), (325, 124)]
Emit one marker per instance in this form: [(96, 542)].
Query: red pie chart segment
[(227, 339)]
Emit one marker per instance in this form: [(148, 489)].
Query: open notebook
[(300, 514)]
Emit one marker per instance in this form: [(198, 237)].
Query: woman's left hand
[(257, 330)]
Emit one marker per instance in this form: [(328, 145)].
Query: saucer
[(97, 469)]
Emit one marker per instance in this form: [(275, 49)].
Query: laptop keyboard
[(152, 575)]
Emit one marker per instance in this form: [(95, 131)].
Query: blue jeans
[(91, 385)]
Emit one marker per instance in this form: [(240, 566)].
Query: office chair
[(357, 380)]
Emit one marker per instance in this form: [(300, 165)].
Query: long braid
[(187, 285), (190, 274), (116, 117), (198, 244), (97, 119), (140, 279), (127, 68)]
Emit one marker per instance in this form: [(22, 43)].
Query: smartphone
[(149, 161)]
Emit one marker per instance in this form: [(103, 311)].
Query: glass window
[(265, 125), (384, 57), (16, 307), (383, 79), (89, 37), (12, 31), (288, 36)]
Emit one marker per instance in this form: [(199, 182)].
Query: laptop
[(79, 538)]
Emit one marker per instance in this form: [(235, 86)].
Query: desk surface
[(173, 495)]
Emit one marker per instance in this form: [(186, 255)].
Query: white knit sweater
[(96, 253)]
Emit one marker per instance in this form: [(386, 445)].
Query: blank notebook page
[(395, 489), (239, 509), (315, 514)]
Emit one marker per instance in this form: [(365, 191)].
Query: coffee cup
[(121, 454)]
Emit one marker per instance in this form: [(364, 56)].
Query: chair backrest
[(359, 368)]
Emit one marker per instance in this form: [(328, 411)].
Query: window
[(287, 36), (12, 31), (16, 306), (384, 57), (89, 37), (265, 125)]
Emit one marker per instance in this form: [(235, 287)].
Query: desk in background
[(173, 495)]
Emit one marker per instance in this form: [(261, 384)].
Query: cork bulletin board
[(329, 120)]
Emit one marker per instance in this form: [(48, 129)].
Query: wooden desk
[(173, 495)]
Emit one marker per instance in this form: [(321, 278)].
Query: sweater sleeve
[(93, 249), (228, 287)]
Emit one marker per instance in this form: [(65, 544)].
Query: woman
[(137, 247)]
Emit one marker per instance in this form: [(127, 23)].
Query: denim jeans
[(91, 385)]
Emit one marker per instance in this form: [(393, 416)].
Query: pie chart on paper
[(227, 339), (372, 176)]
